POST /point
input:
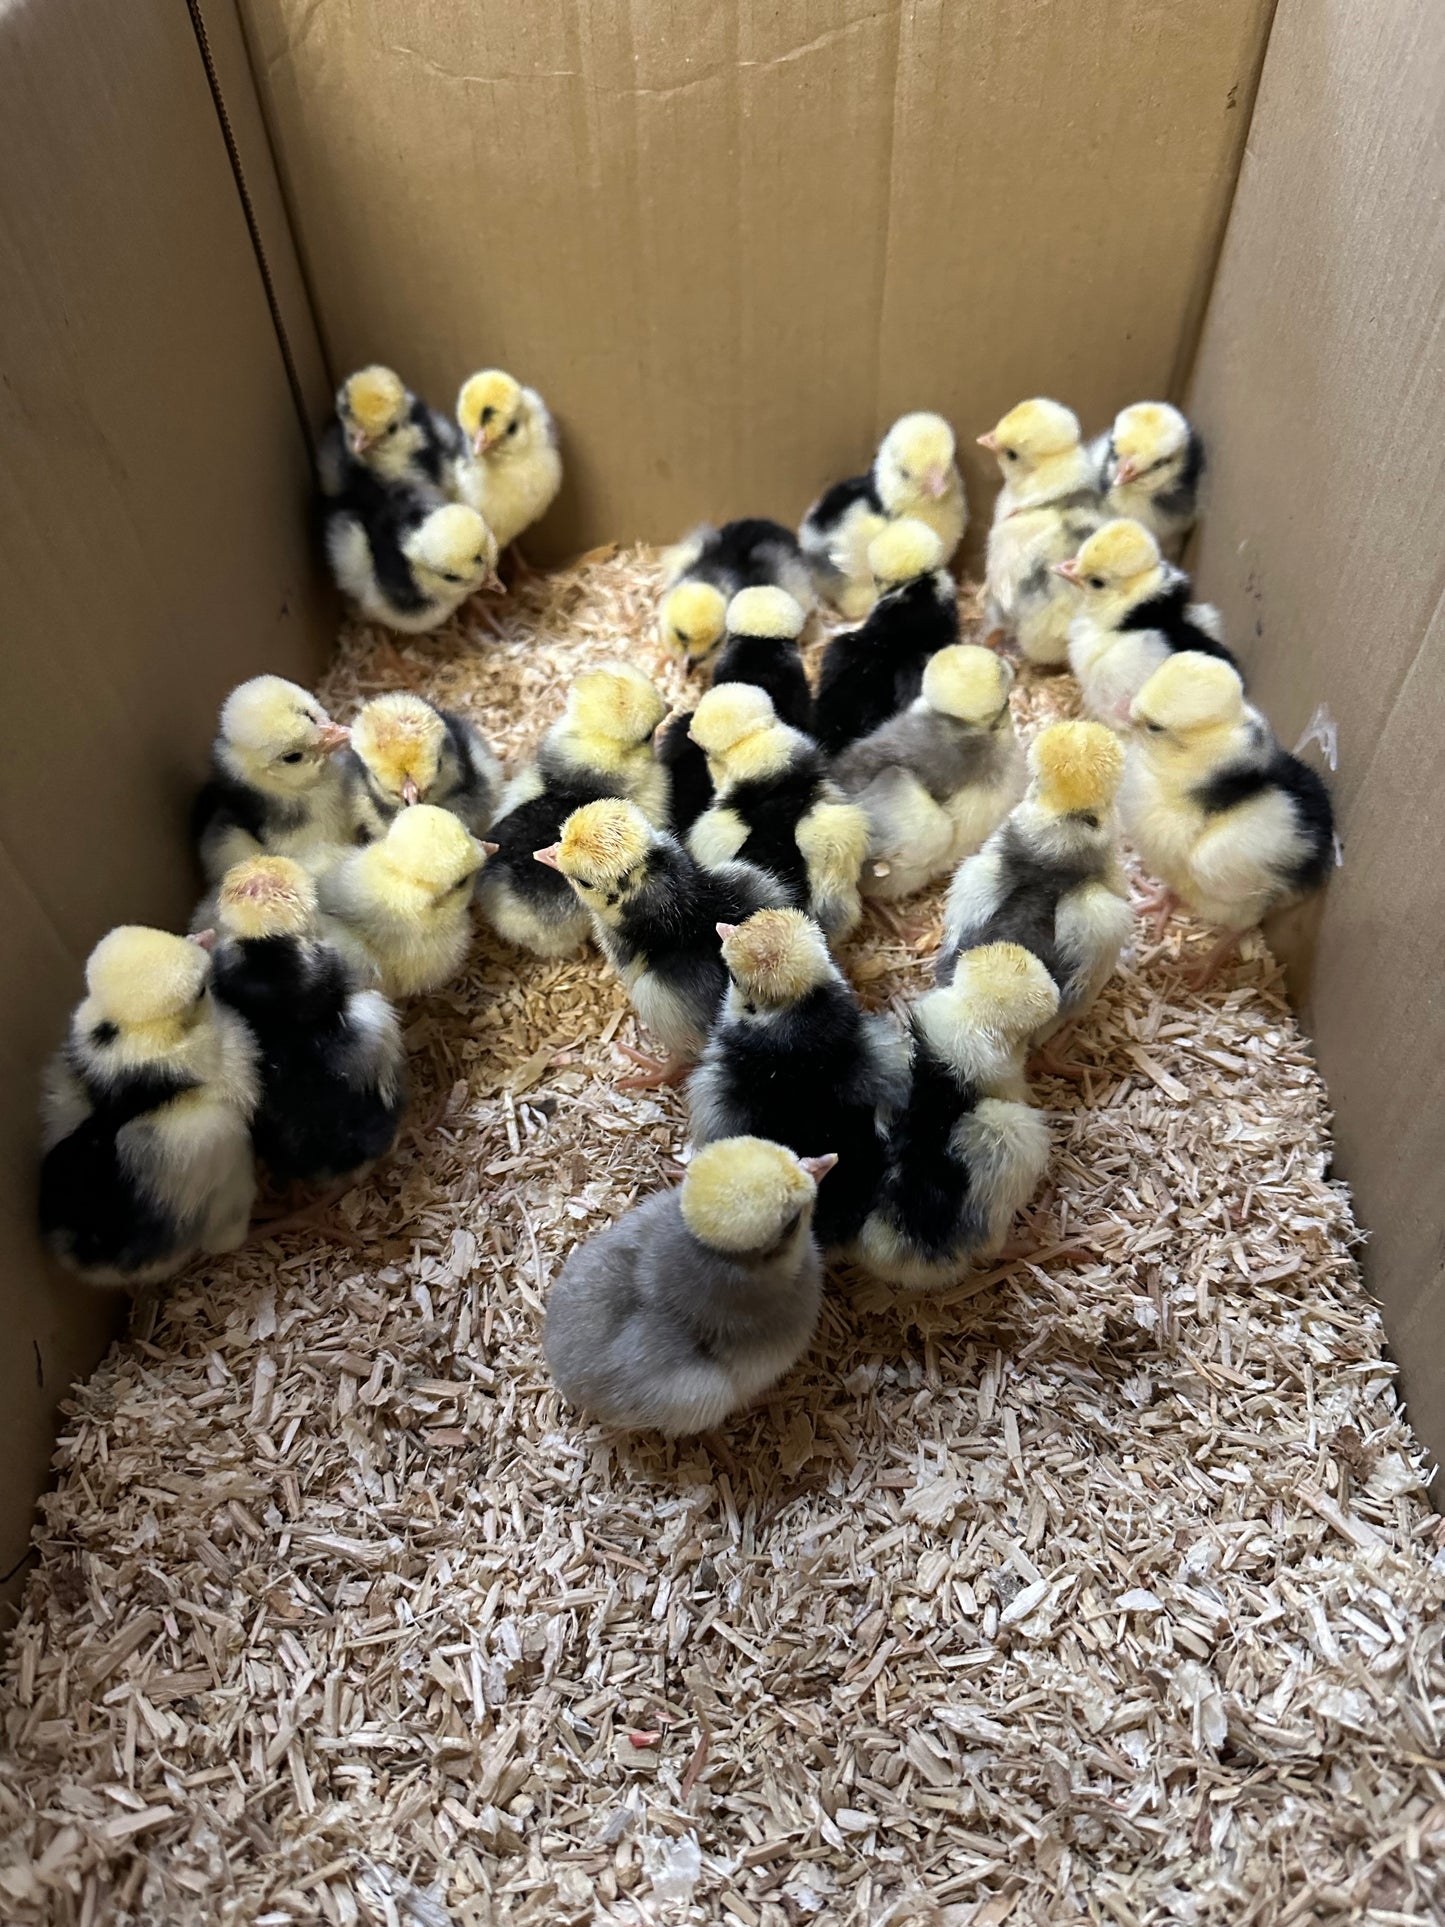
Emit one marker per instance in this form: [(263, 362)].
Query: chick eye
[(905, 474), (294, 756), (1088, 819), (1155, 729), (512, 427), (105, 1032), (447, 576), (391, 427), (682, 635), (479, 562), (1096, 582), (750, 1007), (487, 413), (1011, 454)]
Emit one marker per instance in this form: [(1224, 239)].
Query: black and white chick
[(403, 751), (1150, 468), (1050, 877), (332, 1066), (382, 437), (147, 1115), (967, 1151), (704, 571), (915, 474), (776, 805), (870, 673), (939, 777), (405, 560), (793, 1058), (602, 745), (1135, 610), (276, 786), (655, 913), (698, 1299)]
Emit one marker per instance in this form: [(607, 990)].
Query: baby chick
[(655, 914), (404, 751), (1050, 877), (275, 783), (776, 806), (761, 647), (915, 473), (936, 779), (698, 1299), (381, 435), (689, 782), (407, 898), (408, 563), (967, 1152), (332, 1069), (1135, 611), (147, 1110), (1048, 506), (510, 469), (703, 573), (1150, 467), (1232, 823), (600, 746), (791, 1057), (869, 674)]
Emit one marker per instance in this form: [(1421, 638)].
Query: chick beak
[(725, 930), (203, 939), (1068, 570), (334, 736), (936, 483), (990, 441), (359, 440), (549, 856), (818, 1168), (494, 584), (410, 793), (1126, 472), (489, 849)]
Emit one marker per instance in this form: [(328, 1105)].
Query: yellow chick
[(409, 565), (275, 784), (1047, 507), (404, 751), (147, 1115), (1231, 823), (1150, 467), (915, 473), (382, 435), (509, 469), (708, 568), (408, 898), (776, 806), (1134, 611)]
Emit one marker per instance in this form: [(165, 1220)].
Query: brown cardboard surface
[(731, 243), (1320, 387), (154, 550)]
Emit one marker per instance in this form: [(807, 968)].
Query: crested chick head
[(968, 683), (492, 411), (429, 853), (615, 703), (144, 983), (728, 715), (452, 552), (1076, 767), (266, 896), (692, 619), (372, 404), (915, 462), (1187, 703), (746, 1195), (1145, 436), (1006, 989), (603, 853), (1032, 433), (766, 611), (276, 736), (902, 552), (399, 737), (1116, 568), (776, 957)]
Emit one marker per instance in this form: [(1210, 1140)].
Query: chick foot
[(1204, 973), (1052, 1060), (654, 1076), (1158, 904), (313, 1217)]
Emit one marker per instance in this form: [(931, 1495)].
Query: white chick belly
[(674, 1022)]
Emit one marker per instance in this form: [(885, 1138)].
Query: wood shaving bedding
[(1104, 1588)]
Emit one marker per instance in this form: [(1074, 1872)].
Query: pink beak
[(409, 791), (725, 930), (334, 736), (1126, 472), (818, 1168), (549, 856), (937, 482), (203, 939), (1068, 570), (490, 849), (494, 584), (990, 440), (360, 441)]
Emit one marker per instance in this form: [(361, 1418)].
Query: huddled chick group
[(715, 857)]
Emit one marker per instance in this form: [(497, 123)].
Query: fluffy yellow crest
[(919, 446), (430, 847), (269, 714), (1037, 429), (1076, 766), (967, 682), (1006, 987), (1190, 692), (139, 976), (374, 398), (778, 956), (904, 550), (602, 841), (488, 402), (1118, 552), (1149, 432), (453, 541), (616, 702), (741, 1193), (692, 618), (729, 714), (400, 738), (765, 612), (267, 896)]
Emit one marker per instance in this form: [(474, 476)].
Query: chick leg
[(1159, 903), (1052, 1059), (1205, 973), (313, 1217), (654, 1075)]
